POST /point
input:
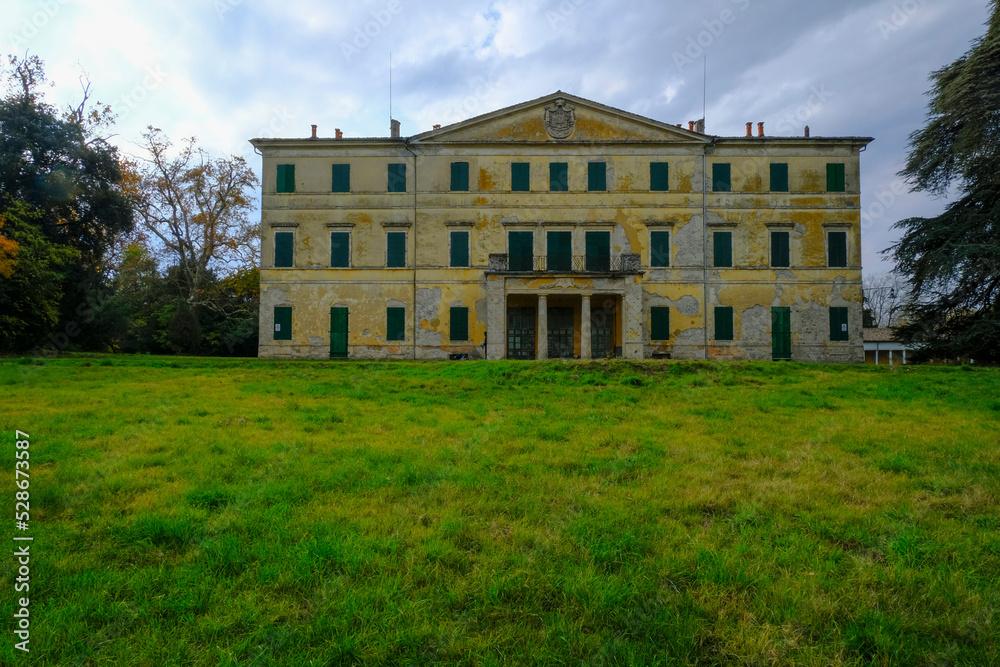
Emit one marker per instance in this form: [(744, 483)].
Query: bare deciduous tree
[(885, 297)]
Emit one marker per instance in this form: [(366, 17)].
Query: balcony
[(505, 263)]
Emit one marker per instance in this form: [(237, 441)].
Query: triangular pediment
[(559, 118)]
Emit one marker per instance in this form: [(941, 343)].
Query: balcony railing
[(624, 263)]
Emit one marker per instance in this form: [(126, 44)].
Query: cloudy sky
[(228, 70)]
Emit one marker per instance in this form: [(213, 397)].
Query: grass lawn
[(241, 512)]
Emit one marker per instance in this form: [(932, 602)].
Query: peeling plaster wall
[(628, 210)]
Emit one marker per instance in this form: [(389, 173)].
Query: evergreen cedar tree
[(952, 261)]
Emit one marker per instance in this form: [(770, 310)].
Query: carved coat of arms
[(560, 119)]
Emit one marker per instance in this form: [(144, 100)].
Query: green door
[(560, 333), (338, 333), (602, 333), (520, 333), (781, 333), (598, 251)]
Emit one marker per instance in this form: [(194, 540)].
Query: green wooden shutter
[(781, 333), (659, 176), (520, 177), (722, 249), (460, 249), (559, 177), (838, 249), (338, 333), (838, 324), (659, 323), (598, 251), (282, 323), (340, 249), (397, 178), (341, 178), (521, 251), (835, 177), (721, 178), (460, 176), (659, 249), (395, 323), (286, 178), (779, 249), (395, 256), (723, 323), (459, 324), (779, 177), (284, 243), (560, 251), (597, 176)]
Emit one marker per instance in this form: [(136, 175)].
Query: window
[(598, 251), (459, 250), (838, 324), (395, 323), (779, 177), (597, 176), (659, 323), (521, 251), (721, 181), (459, 324), (282, 323), (837, 243), (560, 249), (395, 250), (659, 176), (835, 178), (559, 177), (459, 176), (340, 250), (397, 178), (283, 249), (286, 178), (659, 249), (723, 323), (520, 177), (779, 249), (722, 249), (341, 178)]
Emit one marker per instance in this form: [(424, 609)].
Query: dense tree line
[(99, 252)]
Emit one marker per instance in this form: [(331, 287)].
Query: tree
[(885, 295), (952, 261), (60, 182)]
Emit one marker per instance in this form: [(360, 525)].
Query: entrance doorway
[(338, 333), (560, 333), (520, 333)]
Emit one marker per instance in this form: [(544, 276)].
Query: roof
[(879, 335)]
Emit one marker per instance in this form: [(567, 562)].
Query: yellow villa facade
[(562, 228)]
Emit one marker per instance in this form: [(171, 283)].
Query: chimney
[(314, 131), (699, 126), (438, 126), (690, 126), (749, 129), (807, 131), (680, 125), (394, 128), (760, 129), (339, 135)]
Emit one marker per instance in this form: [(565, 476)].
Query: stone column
[(585, 327), (632, 320), (543, 327), (496, 318)]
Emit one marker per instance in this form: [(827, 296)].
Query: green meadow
[(192, 511)]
